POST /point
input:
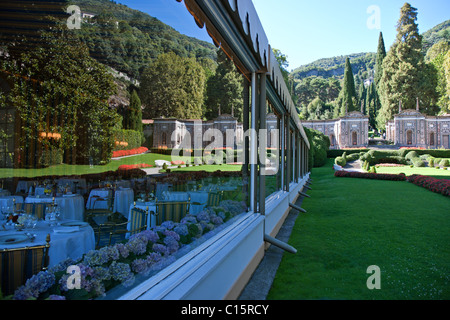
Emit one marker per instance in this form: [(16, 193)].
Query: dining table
[(198, 201), (8, 201), (121, 197), (71, 205), (68, 239)]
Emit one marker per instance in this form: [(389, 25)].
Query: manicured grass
[(352, 224), (65, 169), (210, 168), (426, 171)]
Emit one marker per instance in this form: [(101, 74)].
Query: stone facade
[(349, 131), (170, 133), (410, 128)]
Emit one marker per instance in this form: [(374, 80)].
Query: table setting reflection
[(69, 238)]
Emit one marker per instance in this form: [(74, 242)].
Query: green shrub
[(444, 163), (411, 154), (319, 145), (51, 157), (431, 162), (132, 137), (340, 161), (352, 157), (417, 162)]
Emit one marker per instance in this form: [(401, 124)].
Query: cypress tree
[(381, 54), (347, 100)]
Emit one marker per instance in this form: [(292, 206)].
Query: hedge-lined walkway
[(352, 224)]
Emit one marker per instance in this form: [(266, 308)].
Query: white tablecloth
[(72, 206), (7, 201), (123, 198), (102, 193), (24, 185), (62, 245)]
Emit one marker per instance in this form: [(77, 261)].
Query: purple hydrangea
[(168, 224), (160, 248), (151, 235), (137, 244), (123, 249), (181, 229), (36, 285), (121, 272)]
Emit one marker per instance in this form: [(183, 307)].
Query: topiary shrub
[(431, 162), (444, 163), (340, 161), (411, 154)]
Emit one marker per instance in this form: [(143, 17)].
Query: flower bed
[(389, 165), (441, 186), (123, 263), (368, 175), (122, 153), (134, 166), (177, 162)]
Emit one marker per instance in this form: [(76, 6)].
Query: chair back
[(171, 211), (214, 198), (137, 220), (18, 265), (36, 209)]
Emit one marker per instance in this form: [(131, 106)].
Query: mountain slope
[(334, 66), (128, 40)]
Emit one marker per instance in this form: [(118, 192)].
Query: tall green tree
[(173, 86), (406, 76), (347, 100), (224, 90), (381, 54), (60, 89), (436, 56)]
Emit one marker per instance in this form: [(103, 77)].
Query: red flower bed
[(368, 175), (177, 162), (122, 153), (441, 186), (134, 166)]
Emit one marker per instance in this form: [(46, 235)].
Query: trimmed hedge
[(333, 153), (51, 157), (131, 137)]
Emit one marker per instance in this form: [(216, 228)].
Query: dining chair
[(40, 208), (214, 198), (96, 213), (19, 264), (137, 222), (171, 210)]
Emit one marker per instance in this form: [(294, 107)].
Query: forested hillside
[(128, 40), (436, 34), (334, 66)]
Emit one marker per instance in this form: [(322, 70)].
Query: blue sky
[(306, 30)]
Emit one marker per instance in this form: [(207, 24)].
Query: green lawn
[(426, 171), (65, 169), (210, 168), (352, 224)]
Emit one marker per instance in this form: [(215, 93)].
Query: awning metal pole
[(279, 244)]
